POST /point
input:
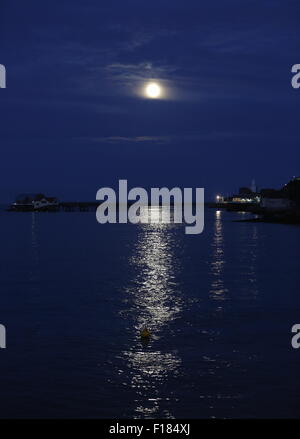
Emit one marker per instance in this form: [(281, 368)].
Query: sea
[(220, 307)]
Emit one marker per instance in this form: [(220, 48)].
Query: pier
[(64, 206), (78, 206)]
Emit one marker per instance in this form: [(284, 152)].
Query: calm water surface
[(220, 306)]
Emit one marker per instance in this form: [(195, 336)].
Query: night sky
[(72, 119)]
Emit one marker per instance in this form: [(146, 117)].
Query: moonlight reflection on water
[(154, 298)]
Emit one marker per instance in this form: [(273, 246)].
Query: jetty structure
[(42, 203), (34, 202)]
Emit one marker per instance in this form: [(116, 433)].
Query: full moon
[(153, 90)]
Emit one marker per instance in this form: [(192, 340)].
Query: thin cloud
[(133, 139)]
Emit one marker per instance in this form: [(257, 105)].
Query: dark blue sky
[(71, 120)]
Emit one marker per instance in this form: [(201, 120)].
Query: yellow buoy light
[(145, 334)]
